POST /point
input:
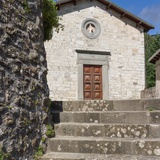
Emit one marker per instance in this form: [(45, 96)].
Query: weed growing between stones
[(44, 139), (151, 109), (39, 153), (50, 131)]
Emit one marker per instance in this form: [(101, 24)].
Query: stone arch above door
[(89, 57)]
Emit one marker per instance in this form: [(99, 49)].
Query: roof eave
[(129, 15)]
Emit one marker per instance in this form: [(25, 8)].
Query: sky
[(149, 10)]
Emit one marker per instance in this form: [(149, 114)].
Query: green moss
[(26, 6), (47, 107), (36, 102), (10, 107), (3, 155), (26, 121), (39, 94), (50, 103)]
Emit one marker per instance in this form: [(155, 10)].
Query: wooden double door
[(92, 82)]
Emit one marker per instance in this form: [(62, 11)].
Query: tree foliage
[(152, 44), (50, 18)]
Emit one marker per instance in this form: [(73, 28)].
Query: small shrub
[(50, 18)]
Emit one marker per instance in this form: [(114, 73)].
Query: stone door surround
[(90, 57)]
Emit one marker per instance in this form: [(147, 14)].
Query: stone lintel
[(93, 52)]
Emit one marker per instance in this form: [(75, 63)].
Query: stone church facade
[(98, 55)]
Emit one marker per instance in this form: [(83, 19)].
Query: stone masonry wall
[(23, 84), (119, 36)]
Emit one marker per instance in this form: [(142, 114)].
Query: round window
[(91, 28)]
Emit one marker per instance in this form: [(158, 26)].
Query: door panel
[(92, 82)]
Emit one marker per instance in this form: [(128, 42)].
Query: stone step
[(110, 105), (119, 117), (78, 156), (107, 130), (97, 145)]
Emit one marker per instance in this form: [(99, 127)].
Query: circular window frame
[(93, 22)]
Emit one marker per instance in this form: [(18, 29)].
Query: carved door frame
[(86, 57)]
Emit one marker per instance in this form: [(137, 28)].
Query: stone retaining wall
[(148, 93), (23, 84)]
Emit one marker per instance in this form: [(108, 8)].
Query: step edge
[(82, 138)]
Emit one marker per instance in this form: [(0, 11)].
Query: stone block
[(155, 117), (103, 105), (80, 156), (154, 130), (88, 146), (125, 117), (151, 104), (107, 130), (96, 145), (127, 131), (130, 105), (87, 130)]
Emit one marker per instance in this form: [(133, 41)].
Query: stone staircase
[(105, 130)]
